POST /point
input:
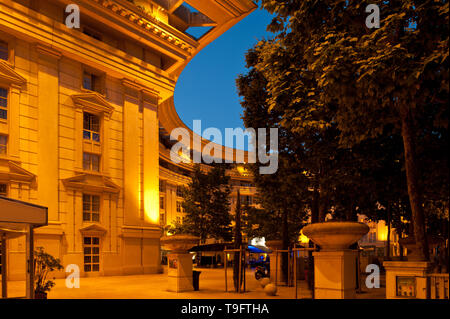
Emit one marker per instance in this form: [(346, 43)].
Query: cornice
[(44, 50), (150, 24)]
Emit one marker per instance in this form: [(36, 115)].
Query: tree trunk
[(237, 243), (314, 219), (388, 239), (322, 207), (415, 196), (315, 206), (285, 236), (350, 214)]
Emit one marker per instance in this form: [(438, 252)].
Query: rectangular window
[(161, 202), (88, 81), (179, 191), (92, 82), (161, 186), (162, 219), (91, 208), (4, 52), (3, 144), (91, 127), (178, 220), (93, 34), (91, 162), (91, 248), (179, 207), (3, 104), (3, 190)]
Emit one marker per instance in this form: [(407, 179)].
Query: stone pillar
[(409, 277), (274, 269), (150, 157), (179, 272), (179, 261), (334, 274), (131, 154), (48, 130)]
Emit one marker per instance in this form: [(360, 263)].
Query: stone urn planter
[(335, 264), (180, 243), (333, 236)]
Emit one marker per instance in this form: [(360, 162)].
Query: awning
[(258, 249), (212, 247), (15, 211), (19, 218), (224, 246)]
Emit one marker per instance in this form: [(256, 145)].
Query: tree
[(278, 219), (325, 69), (206, 204)]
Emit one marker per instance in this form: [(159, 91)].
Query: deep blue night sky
[(206, 89)]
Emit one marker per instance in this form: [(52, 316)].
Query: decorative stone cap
[(335, 235), (179, 243)]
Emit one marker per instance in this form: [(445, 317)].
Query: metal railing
[(438, 286)]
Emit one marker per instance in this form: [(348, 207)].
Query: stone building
[(80, 115)]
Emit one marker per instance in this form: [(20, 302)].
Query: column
[(48, 110), (151, 158), (131, 157)]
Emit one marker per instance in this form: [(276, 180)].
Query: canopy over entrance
[(224, 246), (17, 219)]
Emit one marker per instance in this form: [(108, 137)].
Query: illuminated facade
[(80, 115), (377, 237)]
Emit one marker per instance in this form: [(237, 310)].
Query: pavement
[(154, 286)]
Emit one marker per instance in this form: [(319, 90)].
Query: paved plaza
[(212, 286)]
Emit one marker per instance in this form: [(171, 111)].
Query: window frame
[(162, 218), (91, 212), (4, 146), (5, 193), (91, 245), (179, 191), (7, 51), (97, 80), (162, 203), (90, 169), (90, 130), (5, 108), (90, 32)]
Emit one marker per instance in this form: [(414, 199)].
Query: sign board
[(14, 211), (406, 286), (173, 263)]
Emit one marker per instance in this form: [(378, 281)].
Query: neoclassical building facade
[(81, 115)]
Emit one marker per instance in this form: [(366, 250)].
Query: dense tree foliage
[(364, 110), (206, 205)]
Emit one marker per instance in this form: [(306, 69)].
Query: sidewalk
[(212, 286)]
